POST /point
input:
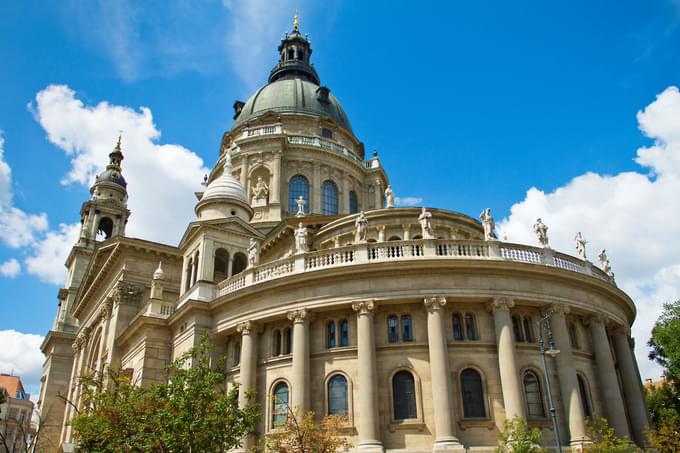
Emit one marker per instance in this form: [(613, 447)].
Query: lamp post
[(544, 329)]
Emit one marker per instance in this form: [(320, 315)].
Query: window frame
[(417, 395), (461, 326), (482, 388), (541, 395), (330, 198), (272, 424), (329, 380), (293, 195), (392, 335), (331, 335), (474, 336), (407, 336)]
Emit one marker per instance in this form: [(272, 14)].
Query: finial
[(158, 273), (205, 180), (120, 136), (296, 22), (227, 163)]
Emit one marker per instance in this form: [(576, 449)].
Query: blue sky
[(469, 104)]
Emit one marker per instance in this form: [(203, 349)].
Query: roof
[(12, 384)]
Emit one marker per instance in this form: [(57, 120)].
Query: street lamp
[(544, 328)]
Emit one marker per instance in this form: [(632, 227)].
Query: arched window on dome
[(517, 329), (221, 265), (353, 202), (344, 333), (457, 327), (240, 263), (329, 198), (528, 330), (330, 334), (583, 392), (337, 395), (280, 405), (298, 186), (473, 394), (533, 395), (404, 396)]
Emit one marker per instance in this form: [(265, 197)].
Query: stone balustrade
[(374, 252)]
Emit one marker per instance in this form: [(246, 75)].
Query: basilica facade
[(417, 325)]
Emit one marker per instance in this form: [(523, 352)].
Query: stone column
[(230, 264), (632, 387), (407, 232), (368, 426), (315, 190), (616, 414), (276, 179), (566, 374), (248, 369), (440, 375), (300, 374), (507, 357), (345, 193), (379, 204)]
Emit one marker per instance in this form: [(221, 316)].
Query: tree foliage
[(665, 342), (516, 437), (604, 440), (192, 412), (303, 435)]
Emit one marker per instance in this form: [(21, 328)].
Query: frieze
[(127, 294)]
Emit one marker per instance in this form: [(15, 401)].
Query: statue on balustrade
[(389, 197), (260, 192), (541, 231), (361, 225), (425, 220), (301, 239), (489, 225), (604, 263), (301, 207), (253, 253), (580, 246)]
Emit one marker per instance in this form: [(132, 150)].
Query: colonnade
[(368, 422)]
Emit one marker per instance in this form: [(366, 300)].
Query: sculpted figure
[(541, 231), (389, 197), (425, 220), (489, 225), (580, 246), (301, 239), (260, 191), (253, 253), (301, 207), (604, 263), (361, 225)]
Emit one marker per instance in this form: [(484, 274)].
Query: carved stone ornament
[(596, 319), (107, 308), (434, 303), (500, 304), (127, 294), (300, 315), (620, 330), (364, 307), (80, 340), (557, 310), (248, 327)]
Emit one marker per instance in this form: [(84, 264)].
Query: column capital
[(557, 309), (500, 304), (364, 307), (248, 327), (619, 329), (596, 319), (433, 304), (300, 315), (107, 309)]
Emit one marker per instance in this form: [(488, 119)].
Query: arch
[(394, 238), (105, 228), (93, 359), (331, 335), (298, 186), (472, 394), (240, 263), (344, 332), (457, 321), (220, 265), (533, 395), (406, 328), (279, 404), (392, 329), (404, 396), (585, 395), (276, 342), (329, 198), (417, 236), (471, 326), (528, 329), (517, 329), (337, 395), (353, 202)]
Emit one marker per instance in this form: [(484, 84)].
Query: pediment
[(233, 225)]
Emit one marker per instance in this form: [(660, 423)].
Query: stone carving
[(260, 192), (301, 239), (489, 225), (80, 340), (300, 315), (300, 206), (361, 226), (107, 308), (541, 231), (604, 263), (247, 327), (364, 307), (425, 220), (253, 253), (580, 246), (596, 319), (557, 310), (389, 197), (127, 294), (434, 303), (500, 304)]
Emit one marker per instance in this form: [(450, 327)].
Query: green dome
[(294, 95)]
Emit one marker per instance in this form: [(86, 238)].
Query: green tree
[(192, 412), (304, 435), (665, 342), (604, 440), (516, 437)]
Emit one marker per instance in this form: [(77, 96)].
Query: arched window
[(517, 329), (237, 353), (287, 341), (330, 334), (195, 274), (392, 329), (473, 394), (337, 395), (187, 274), (353, 202), (280, 405), (457, 327), (470, 326), (406, 328), (297, 187), (221, 267), (344, 333), (404, 396), (572, 335), (330, 198), (533, 396), (277, 342), (528, 330), (240, 263), (394, 238), (104, 229), (583, 391)]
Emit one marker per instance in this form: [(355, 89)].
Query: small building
[(15, 415)]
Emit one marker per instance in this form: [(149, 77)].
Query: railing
[(263, 130), (364, 253), (319, 142)]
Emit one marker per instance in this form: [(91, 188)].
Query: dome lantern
[(294, 58)]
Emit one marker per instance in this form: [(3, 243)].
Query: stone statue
[(604, 263), (425, 220), (580, 246), (389, 197), (541, 231), (361, 225), (253, 253), (260, 192), (301, 207), (489, 225), (301, 239)]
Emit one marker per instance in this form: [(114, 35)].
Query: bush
[(516, 437)]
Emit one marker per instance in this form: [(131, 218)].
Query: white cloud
[(161, 178), (10, 268), (20, 354), (408, 201), (5, 176), (50, 252), (634, 215)]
